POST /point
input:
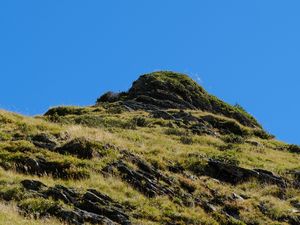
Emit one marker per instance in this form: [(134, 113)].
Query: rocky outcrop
[(170, 90), (44, 140), (209, 124), (40, 166), (91, 207), (224, 126), (235, 174), (143, 181), (82, 148), (34, 185), (162, 114), (147, 179)]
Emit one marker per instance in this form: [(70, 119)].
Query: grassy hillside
[(126, 161)]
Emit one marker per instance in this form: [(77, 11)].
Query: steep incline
[(165, 152), (170, 90)]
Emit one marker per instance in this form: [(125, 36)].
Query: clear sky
[(68, 52)]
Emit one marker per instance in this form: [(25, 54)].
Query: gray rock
[(92, 207), (33, 185), (235, 174), (81, 148), (235, 196), (44, 141), (162, 114)]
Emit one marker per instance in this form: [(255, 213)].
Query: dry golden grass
[(155, 145), (9, 215)]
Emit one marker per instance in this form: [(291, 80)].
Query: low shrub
[(66, 110), (186, 140), (175, 131), (4, 136), (10, 192), (197, 166), (83, 148), (274, 209), (262, 134), (230, 147), (19, 146), (227, 158), (39, 207), (293, 148), (231, 138), (140, 121), (187, 184)]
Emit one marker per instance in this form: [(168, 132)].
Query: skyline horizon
[(194, 77), (70, 52)]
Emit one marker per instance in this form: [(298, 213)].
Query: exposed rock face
[(208, 124), (147, 179), (41, 166), (82, 148), (170, 90), (224, 126), (156, 120), (44, 141), (32, 185), (235, 174), (91, 207)]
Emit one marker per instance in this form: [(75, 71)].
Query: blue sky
[(68, 52)]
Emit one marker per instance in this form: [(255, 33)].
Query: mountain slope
[(165, 152)]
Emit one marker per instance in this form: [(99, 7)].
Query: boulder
[(44, 141), (33, 185), (61, 193), (107, 211), (81, 148), (162, 114)]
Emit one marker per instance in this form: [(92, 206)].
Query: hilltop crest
[(164, 152), (171, 90)]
